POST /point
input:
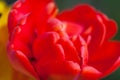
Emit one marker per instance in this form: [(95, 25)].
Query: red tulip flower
[(73, 45)]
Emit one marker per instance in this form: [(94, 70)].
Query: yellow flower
[(5, 69), (4, 10)]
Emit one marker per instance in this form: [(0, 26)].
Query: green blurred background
[(110, 7)]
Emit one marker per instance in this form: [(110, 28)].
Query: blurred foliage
[(9, 1), (110, 7), (113, 76)]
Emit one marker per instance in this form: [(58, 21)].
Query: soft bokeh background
[(110, 7)]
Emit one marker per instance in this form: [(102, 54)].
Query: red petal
[(19, 10), (72, 29), (91, 24), (73, 67), (90, 73), (111, 29), (24, 31), (111, 26), (21, 63), (45, 47), (54, 24), (113, 68), (78, 14), (65, 70), (105, 58), (82, 50), (22, 37), (70, 51), (41, 10)]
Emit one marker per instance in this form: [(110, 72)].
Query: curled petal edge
[(21, 63)]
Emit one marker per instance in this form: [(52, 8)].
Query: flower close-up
[(75, 44)]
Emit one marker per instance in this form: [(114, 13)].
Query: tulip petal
[(23, 36), (58, 70), (86, 16), (90, 73), (21, 63), (18, 11), (81, 11), (72, 29), (45, 47), (24, 31), (106, 59), (111, 29), (70, 51), (41, 10), (111, 26), (82, 50)]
